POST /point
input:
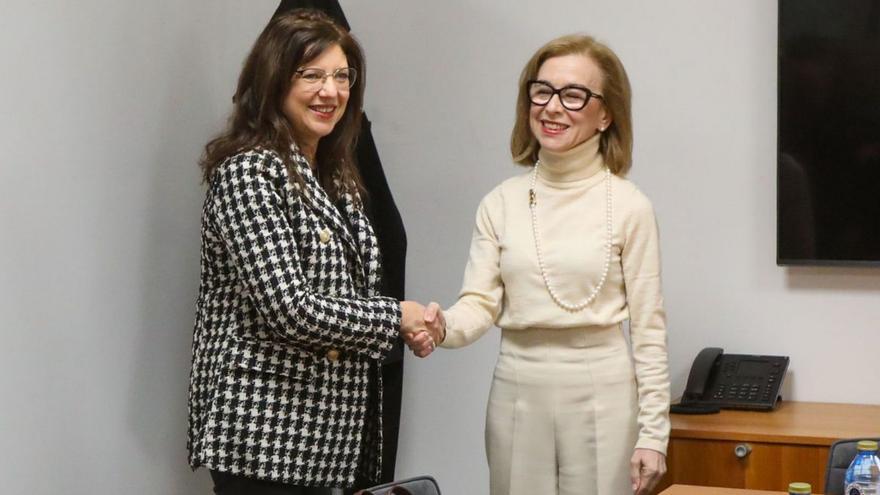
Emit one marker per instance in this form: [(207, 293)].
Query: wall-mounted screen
[(828, 202)]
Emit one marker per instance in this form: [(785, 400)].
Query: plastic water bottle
[(863, 474)]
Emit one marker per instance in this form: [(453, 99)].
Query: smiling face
[(313, 109), (557, 128)]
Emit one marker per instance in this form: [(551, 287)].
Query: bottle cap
[(867, 445), (798, 488)]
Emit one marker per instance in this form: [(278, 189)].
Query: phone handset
[(698, 380)]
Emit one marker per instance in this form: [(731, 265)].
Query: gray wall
[(441, 92), (105, 106)]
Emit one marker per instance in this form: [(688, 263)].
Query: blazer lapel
[(317, 198), (367, 243)]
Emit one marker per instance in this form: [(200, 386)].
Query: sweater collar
[(579, 163)]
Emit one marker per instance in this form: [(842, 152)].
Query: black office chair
[(841, 455), (420, 485)]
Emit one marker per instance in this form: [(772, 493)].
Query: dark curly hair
[(288, 42)]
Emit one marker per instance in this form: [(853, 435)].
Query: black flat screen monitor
[(828, 164)]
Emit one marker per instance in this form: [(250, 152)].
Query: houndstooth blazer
[(285, 381)]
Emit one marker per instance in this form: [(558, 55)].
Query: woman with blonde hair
[(561, 255)]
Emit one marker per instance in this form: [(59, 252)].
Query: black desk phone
[(732, 381)]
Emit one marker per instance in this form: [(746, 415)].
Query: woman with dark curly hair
[(285, 390)]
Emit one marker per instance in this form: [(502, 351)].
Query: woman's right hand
[(412, 317), (421, 335), (436, 322)]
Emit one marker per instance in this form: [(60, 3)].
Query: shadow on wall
[(822, 278)]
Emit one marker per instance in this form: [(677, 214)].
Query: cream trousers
[(562, 413)]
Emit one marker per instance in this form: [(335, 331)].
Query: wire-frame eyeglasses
[(344, 77)]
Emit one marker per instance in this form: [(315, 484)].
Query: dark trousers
[(232, 484)]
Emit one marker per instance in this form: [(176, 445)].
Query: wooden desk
[(710, 490), (788, 444)]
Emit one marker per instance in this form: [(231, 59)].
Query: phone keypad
[(742, 392), (748, 390), (750, 386)]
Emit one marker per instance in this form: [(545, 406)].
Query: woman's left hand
[(646, 468)]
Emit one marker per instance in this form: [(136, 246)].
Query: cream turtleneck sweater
[(503, 283)]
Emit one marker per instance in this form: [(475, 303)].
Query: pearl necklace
[(533, 204)]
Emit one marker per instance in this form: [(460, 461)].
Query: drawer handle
[(742, 450)]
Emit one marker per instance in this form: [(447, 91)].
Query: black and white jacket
[(289, 330)]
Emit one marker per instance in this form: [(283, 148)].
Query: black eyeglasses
[(344, 77), (572, 97)]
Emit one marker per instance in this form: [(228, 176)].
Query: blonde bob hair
[(616, 141)]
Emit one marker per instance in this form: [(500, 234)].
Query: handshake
[(422, 327)]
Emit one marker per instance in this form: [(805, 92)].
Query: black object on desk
[(732, 381)]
